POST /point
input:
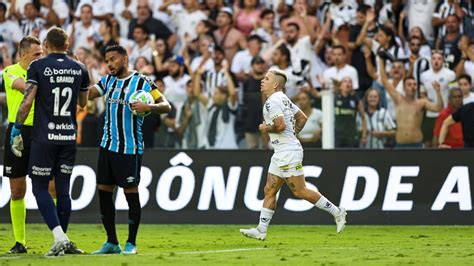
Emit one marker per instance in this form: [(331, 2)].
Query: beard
[(175, 74)]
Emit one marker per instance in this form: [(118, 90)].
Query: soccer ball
[(143, 97)]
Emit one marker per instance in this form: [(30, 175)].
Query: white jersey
[(278, 104)]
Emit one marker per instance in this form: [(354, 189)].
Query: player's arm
[(83, 97), (26, 103), (438, 106), (301, 119), (160, 106), (93, 92), (19, 84), (444, 131), (277, 126)]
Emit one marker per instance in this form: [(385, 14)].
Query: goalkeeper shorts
[(14, 167)]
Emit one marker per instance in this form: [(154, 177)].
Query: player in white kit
[(283, 121)]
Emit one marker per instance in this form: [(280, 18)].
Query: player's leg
[(52, 190), (134, 216), (128, 177), (42, 161), (272, 186), (18, 214), (106, 187), (297, 185), (16, 168), (64, 164)]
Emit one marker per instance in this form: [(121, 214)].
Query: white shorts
[(286, 164)]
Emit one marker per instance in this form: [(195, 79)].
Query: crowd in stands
[(397, 68)]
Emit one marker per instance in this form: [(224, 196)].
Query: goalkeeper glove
[(16, 140)]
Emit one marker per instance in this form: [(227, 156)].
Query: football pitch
[(285, 244)]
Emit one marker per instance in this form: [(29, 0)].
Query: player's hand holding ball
[(16, 141), (139, 103)]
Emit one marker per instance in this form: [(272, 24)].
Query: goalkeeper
[(16, 168)]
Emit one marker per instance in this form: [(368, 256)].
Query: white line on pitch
[(218, 251)]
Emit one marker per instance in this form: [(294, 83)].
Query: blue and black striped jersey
[(122, 129)]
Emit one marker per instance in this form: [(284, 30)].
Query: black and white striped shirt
[(211, 80), (380, 120), (27, 26)]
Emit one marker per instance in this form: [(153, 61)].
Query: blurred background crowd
[(208, 57)]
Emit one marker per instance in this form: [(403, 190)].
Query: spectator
[(465, 84), (107, 38), (167, 136), (364, 28), (389, 15), (246, 15), (410, 110), (212, 8), (227, 36), (380, 124), (193, 121), (347, 105), (161, 53), (397, 74), (154, 26), (444, 9), (141, 47), (443, 76), (281, 59), (300, 35), (83, 33), (266, 29), (341, 12), (144, 67), (241, 65), (10, 32), (310, 135), (206, 50), (175, 83), (103, 9), (252, 102), (463, 115), (204, 28), (454, 138), (385, 44), (466, 63), (449, 42), (300, 49), (419, 15), (340, 69), (417, 62), (208, 80), (124, 12), (31, 21), (424, 50), (221, 117), (186, 20), (56, 10)]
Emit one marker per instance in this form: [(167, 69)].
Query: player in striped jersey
[(122, 147)]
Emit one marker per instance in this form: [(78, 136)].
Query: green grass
[(295, 245)]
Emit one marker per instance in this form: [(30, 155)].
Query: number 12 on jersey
[(65, 93)]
